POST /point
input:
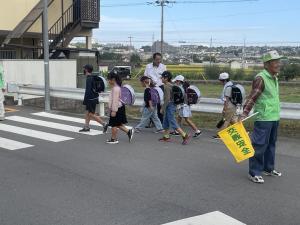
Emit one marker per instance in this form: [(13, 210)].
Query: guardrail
[(209, 105)]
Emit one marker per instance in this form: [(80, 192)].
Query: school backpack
[(154, 96), (193, 95), (238, 94), (127, 95), (160, 94), (99, 84), (178, 95)]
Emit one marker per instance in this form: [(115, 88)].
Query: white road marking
[(52, 125), (12, 145), (65, 118), (213, 218), (68, 118), (34, 133)]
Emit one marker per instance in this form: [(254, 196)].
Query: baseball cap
[(166, 74), (178, 78), (271, 55), (224, 76)]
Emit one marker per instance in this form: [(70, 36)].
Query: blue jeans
[(263, 139), (146, 116), (169, 117)]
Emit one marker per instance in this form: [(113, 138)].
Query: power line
[(177, 2)]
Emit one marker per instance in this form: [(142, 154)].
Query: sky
[(262, 22)]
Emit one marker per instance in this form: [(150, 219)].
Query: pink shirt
[(114, 99)]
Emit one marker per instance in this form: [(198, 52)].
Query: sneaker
[(112, 142), (105, 127), (256, 179), (159, 131), (130, 134), (186, 139), (197, 134), (216, 137), (85, 129), (174, 133), (137, 130), (165, 139), (273, 173)]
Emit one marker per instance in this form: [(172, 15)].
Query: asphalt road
[(83, 181)]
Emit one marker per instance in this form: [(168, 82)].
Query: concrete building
[(21, 26)]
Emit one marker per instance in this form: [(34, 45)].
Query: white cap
[(224, 76), (178, 78)]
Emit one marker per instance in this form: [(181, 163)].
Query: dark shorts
[(119, 119), (90, 106)]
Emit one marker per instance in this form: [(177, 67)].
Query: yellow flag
[(237, 141)]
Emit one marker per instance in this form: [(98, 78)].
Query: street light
[(46, 56)]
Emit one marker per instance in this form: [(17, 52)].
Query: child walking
[(184, 109), (150, 107), (117, 110), (169, 109)]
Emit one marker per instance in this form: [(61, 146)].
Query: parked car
[(123, 71)]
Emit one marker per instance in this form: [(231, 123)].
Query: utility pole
[(210, 50), (152, 47), (130, 41), (162, 4), (244, 54), (46, 56), (162, 28)]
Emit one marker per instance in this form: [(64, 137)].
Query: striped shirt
[(258, 87)]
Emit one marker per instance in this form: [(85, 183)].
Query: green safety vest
[(268, 103)]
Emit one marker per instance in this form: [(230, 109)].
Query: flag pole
[(254, 114)]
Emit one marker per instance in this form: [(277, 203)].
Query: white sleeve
[(146, 73)]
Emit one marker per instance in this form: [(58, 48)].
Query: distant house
[(236, 65)]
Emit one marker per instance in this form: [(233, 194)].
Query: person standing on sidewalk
[(2, 91), (91, 100), (154, 70), (264, 97)]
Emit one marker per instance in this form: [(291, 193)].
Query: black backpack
[(237, 94), (99, 84), (178, 95)]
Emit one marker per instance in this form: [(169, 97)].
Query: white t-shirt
[(155, 72), (226, 91)]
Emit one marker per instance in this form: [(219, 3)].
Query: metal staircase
[(82, 14)]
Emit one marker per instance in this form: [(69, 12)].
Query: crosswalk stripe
[(12, 145), (53, 125), (212, 218), (65, 118), (34, 133), (68, 118)]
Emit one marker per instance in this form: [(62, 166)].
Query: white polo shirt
[(155, 72)]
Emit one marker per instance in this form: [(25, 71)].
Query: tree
[(290, 71), (111, 56), (196, 59), (208, 59), (135, 60), (212, 72)]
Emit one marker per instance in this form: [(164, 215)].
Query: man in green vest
[(2, 90), (264, 97)]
